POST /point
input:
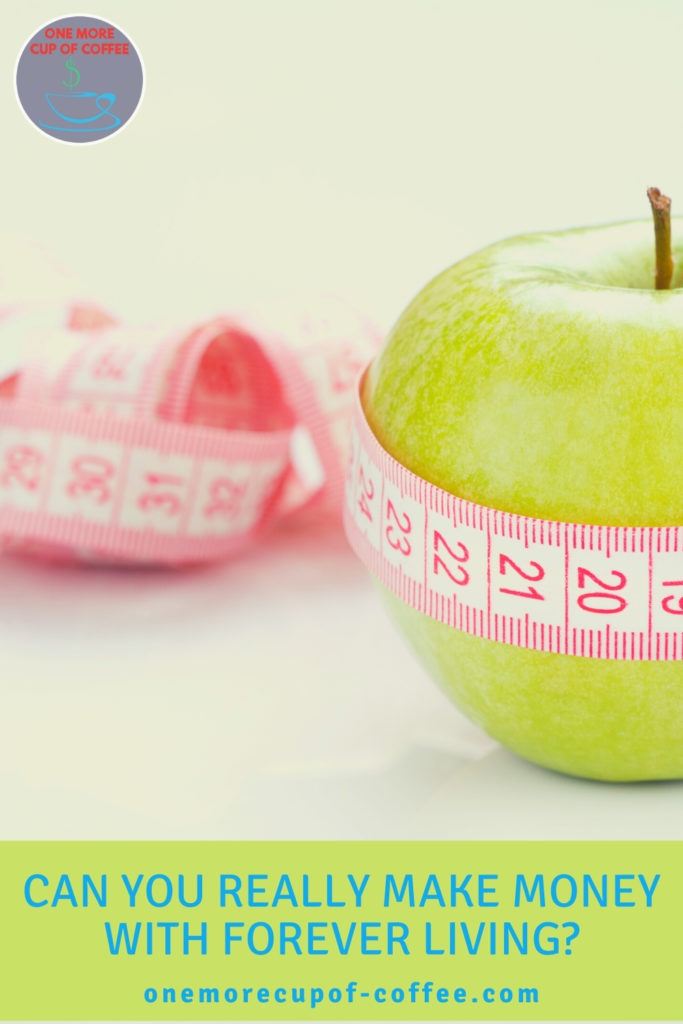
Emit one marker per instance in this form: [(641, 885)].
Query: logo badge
[(79, 79)]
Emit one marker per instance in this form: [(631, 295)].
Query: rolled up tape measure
[(148, 446), (596, 591)]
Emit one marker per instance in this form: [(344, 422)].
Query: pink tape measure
[(594, 591), (145, 446)]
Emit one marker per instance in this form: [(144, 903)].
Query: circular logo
[(79, 79)]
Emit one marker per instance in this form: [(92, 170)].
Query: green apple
[(544, 376)]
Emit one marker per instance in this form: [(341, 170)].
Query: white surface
[(266, 698), (287, 147)]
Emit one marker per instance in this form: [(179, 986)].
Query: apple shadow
[(502, 796)]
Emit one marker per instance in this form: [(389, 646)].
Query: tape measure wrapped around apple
[(516, 485), (167, 447)]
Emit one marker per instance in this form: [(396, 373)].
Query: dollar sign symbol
[(74, 74)]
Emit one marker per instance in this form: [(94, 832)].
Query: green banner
[(343, 931)]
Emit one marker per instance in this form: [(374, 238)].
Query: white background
[(282, 148)]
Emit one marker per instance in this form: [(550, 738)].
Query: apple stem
[(661, 213)]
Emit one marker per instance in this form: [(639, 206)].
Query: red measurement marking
[(535, 574), (603, 601), (110, 366), (672, 604), (442, 551), (401, 521), (22, 466), (165, 500), (367, 494), (225, 498), (91, 475)]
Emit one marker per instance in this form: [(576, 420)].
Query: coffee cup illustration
[(82, 111), (87, 96)]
